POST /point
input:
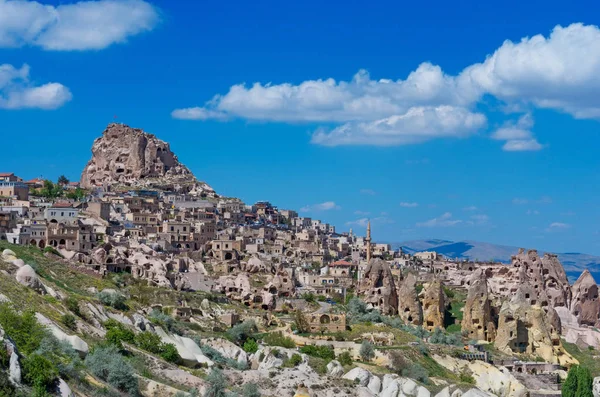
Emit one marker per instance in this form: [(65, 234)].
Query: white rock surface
[(190, 352), (477, 393), (335, 369), (9, 255), (363, 376), (228, 349), (596, 387), (18, 262), (374, 384), (64, 389), (75, 341), (26, 276)]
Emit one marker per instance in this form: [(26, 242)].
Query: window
[(62, 214), (184, 229)]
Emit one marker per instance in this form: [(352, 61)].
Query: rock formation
[(585, 304), (477, 318), (130, 157), (409, 309), (525, 327), (378, 288), (434, 305)]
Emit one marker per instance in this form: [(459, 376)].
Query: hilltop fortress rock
[(478, 319), (410, 309), (434, 305), (585, 304), (129, 157), (378, 288)]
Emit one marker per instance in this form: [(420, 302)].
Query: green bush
[(325, 352), (73, 305), (218, 358), (149, 341), (22, 328), (117, 333), (39, 371), (62, 354), (107, 364), (69, 321), (296, 359), (169, 353), (416, 371), (467, 378), (367, 351), (345, 358), (239, 333), (250, 346), (217, 384), (167, 322), (278, 339), (113, 299), (250, 390)]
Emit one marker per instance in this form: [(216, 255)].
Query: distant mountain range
[(574, 263)]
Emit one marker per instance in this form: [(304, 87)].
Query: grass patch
[(587, 358)]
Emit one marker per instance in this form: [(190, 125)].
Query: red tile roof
[(62, 204), (341, 263), (5, 174)]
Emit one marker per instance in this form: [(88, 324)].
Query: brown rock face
[(128, 156), (378, 288), (524, 326), (545, 274), (477, 317), (585, 304), (434, 305), (409, 308)]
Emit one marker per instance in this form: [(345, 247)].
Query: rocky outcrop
[(377, 287), (359, 375), (78, 344), (130, 157), (585, 304), (393, 385), (434, 305), (477, 316), (596, 387), (335, 369), (228, 349), (190, 353), (26, 276), (525, 327), (409, 309)]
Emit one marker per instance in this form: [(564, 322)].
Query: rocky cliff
[(129, 157)]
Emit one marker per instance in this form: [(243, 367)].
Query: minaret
[(368, 240)]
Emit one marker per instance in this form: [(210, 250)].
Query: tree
[(569, 388), (63, 180), (216, 384), (345, 358), (301, 322), (584, 383), (367, 351)]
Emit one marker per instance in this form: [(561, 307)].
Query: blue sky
[(416, 131)]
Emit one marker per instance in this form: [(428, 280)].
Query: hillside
[(574, 263)]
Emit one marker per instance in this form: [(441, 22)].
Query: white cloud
[(445, 220), (519, 201), (408, 205), (518, 135), (561, 71), (470, 208), (528, 145), (556, 226), (361, 213), (17, 92), (418, 124), (362, 222), (368, 192), (326, 206), (85, 25), (533, 212), (478, 219)]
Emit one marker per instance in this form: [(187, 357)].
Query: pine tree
[(569, 388), (584, 383)]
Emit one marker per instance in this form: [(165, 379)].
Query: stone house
[(327, 322), (14, 189)]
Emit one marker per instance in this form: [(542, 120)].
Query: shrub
[(73, 305), (39, 371), (216, 384), (569, 388), (309, 297), (278, 339), (416, 371), (345, 358), (113, 299), (367, 351), (398, 362), (22, 328), (293, 361), (300, 322), (148, 341), (239, 333), (250, 346), (62, 354), (356, 306), (169, 353), (218, 358), (69, 321), (250, 390), (325, 352), (107, 364), (117, 333), (466, 377)]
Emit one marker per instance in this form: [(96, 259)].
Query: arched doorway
[(42, 244), (62, 242)]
